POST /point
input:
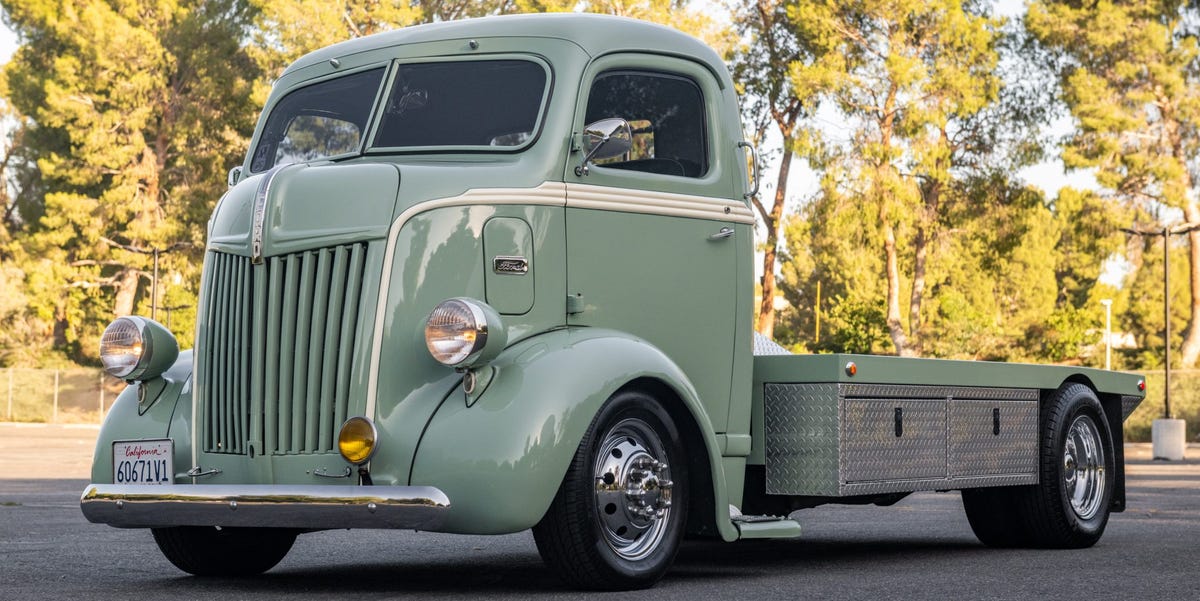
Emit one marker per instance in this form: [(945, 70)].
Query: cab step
[(765, 526)]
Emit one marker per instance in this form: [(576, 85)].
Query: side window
[(666, 114)]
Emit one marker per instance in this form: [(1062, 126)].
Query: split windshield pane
[(492, 104), (318, 121)]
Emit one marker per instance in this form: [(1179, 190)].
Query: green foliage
[(1185, 405), (1130, 74), (125, 115), (132, 111), (912, 81)]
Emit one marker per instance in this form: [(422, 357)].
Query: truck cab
[(492, 275)]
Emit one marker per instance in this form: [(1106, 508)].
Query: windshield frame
[(369, 126), (389, 83)]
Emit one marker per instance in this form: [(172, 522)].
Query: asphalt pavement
[(921, 548)]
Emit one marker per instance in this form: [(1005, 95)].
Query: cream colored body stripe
[(581, 196), (584, 196)]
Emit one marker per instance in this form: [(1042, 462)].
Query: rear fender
[(501, 460)]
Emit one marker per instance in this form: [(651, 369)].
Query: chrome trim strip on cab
[(578, 196), (265, 505)]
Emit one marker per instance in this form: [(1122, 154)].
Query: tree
[(909, 78), (133, 111), (1130, 75), (288, 29), (760, 68)]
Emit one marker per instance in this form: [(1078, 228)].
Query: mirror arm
[(582, 169)]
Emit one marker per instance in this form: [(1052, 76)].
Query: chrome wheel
[(1083, 467), (633, 489)]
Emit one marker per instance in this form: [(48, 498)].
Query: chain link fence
[(56, 396)]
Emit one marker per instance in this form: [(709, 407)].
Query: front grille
[(274, 348)]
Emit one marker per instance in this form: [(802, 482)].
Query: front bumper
[(267, 506)]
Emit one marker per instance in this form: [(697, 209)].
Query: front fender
[(501, 460), (158, 416)]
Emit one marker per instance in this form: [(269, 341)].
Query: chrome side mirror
[(604, 139), (235, 174)]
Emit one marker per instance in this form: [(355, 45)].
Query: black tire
[(585, 543), (995, 516), (1048, 515), (1051, 519), (209, 551)]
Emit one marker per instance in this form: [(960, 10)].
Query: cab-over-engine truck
[(491, 275)]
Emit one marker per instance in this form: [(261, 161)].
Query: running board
[(765, 526)]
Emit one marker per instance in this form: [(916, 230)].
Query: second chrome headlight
[(461, 332)]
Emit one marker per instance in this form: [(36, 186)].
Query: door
[(650, 242)]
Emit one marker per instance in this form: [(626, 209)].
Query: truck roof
[(595, 34)]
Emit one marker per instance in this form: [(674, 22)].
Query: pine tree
[(1130, 75), (133, 111)]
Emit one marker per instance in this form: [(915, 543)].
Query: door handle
[(725, 232)]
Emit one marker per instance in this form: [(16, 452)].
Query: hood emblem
[(510, 265)]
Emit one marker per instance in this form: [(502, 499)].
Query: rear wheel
[(1070, 505), (994, 514), (210, 551), (619, 514)]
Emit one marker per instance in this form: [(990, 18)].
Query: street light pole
[(154, 287), (1166, 234), (1107, 302), (1167, 435), (155, 251)]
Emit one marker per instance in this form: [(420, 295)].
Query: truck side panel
[(853, 425)]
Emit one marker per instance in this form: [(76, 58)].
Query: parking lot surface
[(922, 548)]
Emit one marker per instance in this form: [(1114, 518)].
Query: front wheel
[(211, 551), (619, 514)]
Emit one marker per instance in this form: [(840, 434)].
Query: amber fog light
[(356, 441)]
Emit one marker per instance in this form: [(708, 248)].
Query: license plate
[(143, 461)]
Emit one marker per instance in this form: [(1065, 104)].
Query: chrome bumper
[(269, 506)]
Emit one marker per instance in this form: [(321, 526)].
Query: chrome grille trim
[(275, 350)]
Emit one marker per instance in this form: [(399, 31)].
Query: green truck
[(492, 275)]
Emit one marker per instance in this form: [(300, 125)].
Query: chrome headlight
[(462, 332), (136, 348)]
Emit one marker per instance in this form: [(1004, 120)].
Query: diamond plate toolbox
[(864, 439)]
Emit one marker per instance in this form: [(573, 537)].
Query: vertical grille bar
[(277, 349), (353, 294), (258, 355), (300, 375), (222, 358), (246, 279), (286, 357), (316, 349), (271, 395), (210, 317), (337, 295)]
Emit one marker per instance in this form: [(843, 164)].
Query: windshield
[(318, 121), (493, 104)]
